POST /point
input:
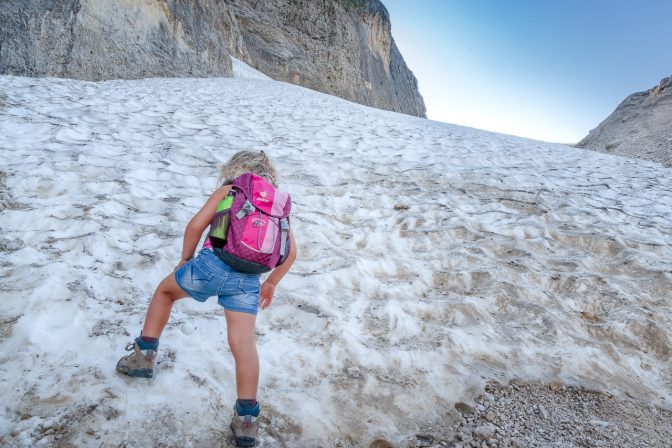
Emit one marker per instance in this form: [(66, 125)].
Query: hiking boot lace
[(130, 346)]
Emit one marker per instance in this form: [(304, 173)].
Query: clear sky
[(545, 69)]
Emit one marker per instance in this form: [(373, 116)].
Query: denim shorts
[(206, 276)]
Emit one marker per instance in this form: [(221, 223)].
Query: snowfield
[(432, 259)]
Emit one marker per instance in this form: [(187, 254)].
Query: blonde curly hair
[(256, 162)]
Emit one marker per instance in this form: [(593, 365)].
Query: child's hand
[(179, 265), (267, 291)]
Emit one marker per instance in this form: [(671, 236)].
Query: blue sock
[(247, 407), (147, 343)]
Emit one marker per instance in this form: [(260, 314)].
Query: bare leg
[(167, 293), (240, 332)]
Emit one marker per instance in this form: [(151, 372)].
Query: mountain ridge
[(639, 127)]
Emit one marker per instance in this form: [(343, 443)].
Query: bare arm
[(199, 222), (268, 287)]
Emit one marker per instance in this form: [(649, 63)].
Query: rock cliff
[(111, 39), (341, 47), (640, 127)]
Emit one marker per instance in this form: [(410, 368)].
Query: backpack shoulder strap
[(284, 228)]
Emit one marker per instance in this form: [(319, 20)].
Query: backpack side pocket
[(219, 226)]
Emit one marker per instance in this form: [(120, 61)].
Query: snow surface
[(432, 258), (242, 70)]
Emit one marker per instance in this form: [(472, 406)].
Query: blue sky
[(550, 70)]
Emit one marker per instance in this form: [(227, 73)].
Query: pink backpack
[(252, 235)]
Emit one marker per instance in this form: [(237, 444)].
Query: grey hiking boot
[(140, 363), (245, 429)]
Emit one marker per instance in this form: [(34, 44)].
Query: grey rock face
[(340, 47), (640, 127), (110, 39)]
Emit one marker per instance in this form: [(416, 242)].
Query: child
[(239, 293)]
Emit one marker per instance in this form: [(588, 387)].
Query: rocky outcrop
[(640, 127), (110, 39), (340, 47)]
